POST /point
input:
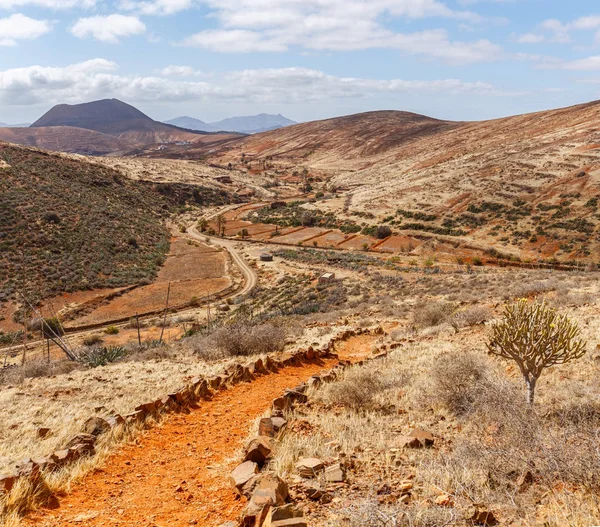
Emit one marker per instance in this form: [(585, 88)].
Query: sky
[(305, 59)]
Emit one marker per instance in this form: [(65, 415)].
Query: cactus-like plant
[(536, 337)]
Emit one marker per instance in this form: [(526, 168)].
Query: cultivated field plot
[(331, 239), (397, 244), (234, 227), (266, 236), (194, 270), (301, 236), (358, 242)]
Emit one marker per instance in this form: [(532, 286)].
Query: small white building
[(326, 278)]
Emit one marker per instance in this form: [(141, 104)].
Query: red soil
[(176, 474)]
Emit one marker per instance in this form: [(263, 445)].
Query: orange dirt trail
[(177, 473)]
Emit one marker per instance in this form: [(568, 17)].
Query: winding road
[(250, 276)]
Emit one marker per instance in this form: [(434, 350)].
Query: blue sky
[(306, 59)]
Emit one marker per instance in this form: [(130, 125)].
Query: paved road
[(250, 281), (250, 276)]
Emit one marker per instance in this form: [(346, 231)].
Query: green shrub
[(101, 356)]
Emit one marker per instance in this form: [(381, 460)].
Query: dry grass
[(488, 437), (63, 403)]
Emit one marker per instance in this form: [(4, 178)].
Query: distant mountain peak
[(249, 124)]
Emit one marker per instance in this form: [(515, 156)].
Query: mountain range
[(102, 127), (17, 125), (251, 124)]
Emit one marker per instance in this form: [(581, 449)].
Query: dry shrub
[(363, 389), (457, 382), (36, 368), (472, 316), (433, 313), (241, 338)]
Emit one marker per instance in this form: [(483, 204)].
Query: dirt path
[(176, 474)]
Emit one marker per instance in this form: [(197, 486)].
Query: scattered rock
[(483, 517), (43, 432), (288, 515), (313, 491), (258, 450), (243, 473), (444, 500), (271, 426), (81, 439), (291, 522), (309, 467), (96, 426)]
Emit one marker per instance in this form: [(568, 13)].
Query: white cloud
[(530, 38), (157, 7), (585, 64), (335, 25), (20, 27), (108, 28), (432, 43), (48, 4), (97, 79), (179, 71), (561, 32)]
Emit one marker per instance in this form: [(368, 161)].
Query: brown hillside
[(66, 139), (333, 142), (527, 185)]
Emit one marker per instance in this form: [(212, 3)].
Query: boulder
[(242, 474), (258, 449), (334, 473), (96, 426), (425, 438), (271, 426), (309, 467), (79, 439)]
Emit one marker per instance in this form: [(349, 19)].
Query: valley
[(319, 301)]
